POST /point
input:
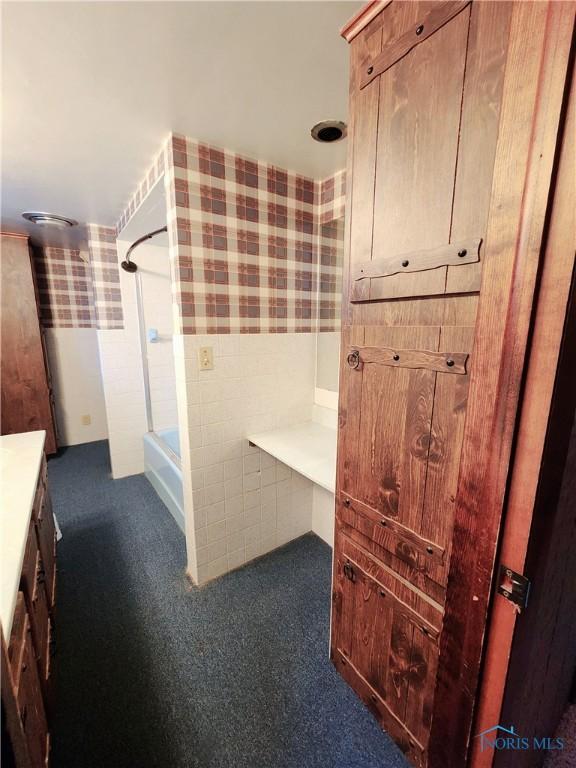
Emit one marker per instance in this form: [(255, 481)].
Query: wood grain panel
[(342, 605), (453, 254), (348, 415), (443, 362), (406, 593), (487, 43), (421, 679), (393, 442), (405, 740), (450, 401), (361, 201), (402, 559), (416, 160), (426, 25), (25, 397), (433, 310), (388, 656), (391, 527)]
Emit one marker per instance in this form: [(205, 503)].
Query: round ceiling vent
[(328, 131), (49, 219)]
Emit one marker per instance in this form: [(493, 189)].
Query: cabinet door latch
[(514, 587)]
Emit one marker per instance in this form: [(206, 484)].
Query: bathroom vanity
[(28, 579)]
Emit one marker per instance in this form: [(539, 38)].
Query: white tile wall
[(240, 502)]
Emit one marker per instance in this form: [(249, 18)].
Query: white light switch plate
[(206, 358)]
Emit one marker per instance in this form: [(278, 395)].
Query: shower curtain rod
[(130, 266)]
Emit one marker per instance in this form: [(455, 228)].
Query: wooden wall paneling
[(540, 37)]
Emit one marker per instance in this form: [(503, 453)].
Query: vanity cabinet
[(456, 348), (27, 654)]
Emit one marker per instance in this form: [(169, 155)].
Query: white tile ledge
[(308, 448)]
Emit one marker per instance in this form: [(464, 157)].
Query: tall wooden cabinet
[(27, 399), (460, 238)]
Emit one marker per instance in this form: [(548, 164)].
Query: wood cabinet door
[(455, 108), (25, 394)]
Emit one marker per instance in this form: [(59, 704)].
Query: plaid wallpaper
[(331, 253), (152, 175), (64, 289), (332, 197), (105, 276), (330, 212), (245, 243)]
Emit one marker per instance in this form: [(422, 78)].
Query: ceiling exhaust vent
[(328, 131), (49, 219)]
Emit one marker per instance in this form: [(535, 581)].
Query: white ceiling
[(91, 89)]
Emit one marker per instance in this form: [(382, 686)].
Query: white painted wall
[(323, 514), (328, 360), (77, 384), (324, 502), (123, 383), (240, 502)]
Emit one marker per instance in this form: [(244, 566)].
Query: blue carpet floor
[(150, 671)]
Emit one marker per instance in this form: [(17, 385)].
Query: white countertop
[(309, 448), (20, 459)]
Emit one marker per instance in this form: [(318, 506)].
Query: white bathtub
[(163, 470)]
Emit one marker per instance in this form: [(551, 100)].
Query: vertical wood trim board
[(548, 337), (540, 37)]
